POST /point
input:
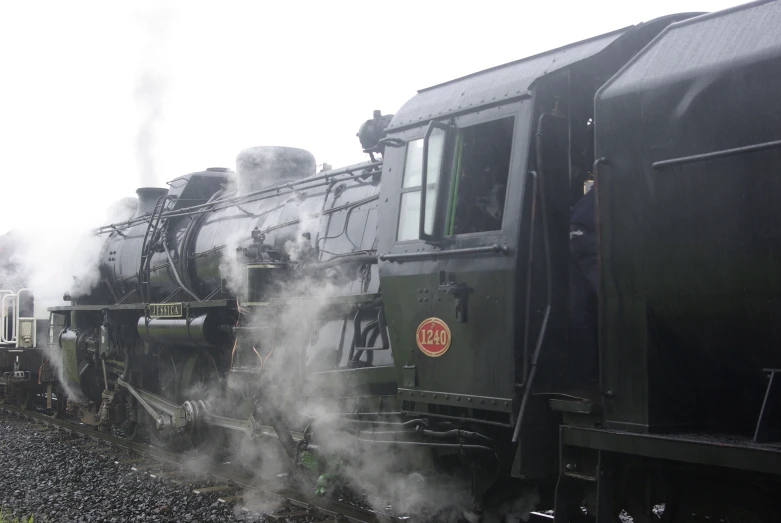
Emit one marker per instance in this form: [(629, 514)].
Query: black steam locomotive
[(417, 306)]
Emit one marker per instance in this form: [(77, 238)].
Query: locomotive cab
[(476, 272)]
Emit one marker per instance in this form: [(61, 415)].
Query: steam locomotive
[(417, 305)]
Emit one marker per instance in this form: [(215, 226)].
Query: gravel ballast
[(48, 475)]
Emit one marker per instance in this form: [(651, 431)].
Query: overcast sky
[(99, 98)]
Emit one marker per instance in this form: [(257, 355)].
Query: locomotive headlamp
[(258, 236)]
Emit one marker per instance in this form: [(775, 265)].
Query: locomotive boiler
[(411, 314)]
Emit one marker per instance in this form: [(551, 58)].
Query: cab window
[(473, 190), (409, 216), (481, 166)]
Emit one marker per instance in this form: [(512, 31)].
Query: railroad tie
[(145, 466), (164, 474), (182, 478), (131, 461), (230, 499), (216, 488), (281, 516)]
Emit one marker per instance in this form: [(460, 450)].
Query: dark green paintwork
[(480, 360)]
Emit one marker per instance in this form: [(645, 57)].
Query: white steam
[(403, 478), (232, 270), (150, 90), (52, 262)]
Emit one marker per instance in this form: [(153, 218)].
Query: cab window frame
[(446, 178), (437, 186)]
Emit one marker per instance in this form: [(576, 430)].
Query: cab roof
[(504, 83)]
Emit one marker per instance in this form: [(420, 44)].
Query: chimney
[(147, 199)]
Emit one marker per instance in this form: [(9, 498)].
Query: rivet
[(425, 290), (435, 395), (447, 396), (469, 400), (458, 398)]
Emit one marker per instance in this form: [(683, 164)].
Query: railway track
[(232, 488)]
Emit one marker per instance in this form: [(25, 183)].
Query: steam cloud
[(404, 480), (51, 263), (150, 91)]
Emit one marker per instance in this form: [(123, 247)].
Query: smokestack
[(147, 199), (260, 167)]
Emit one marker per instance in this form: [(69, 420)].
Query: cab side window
[(480, 170), (472, 190), (409, 215)]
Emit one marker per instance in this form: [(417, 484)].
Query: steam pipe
[(416, 422), (176, 273), (350, 258), (453, 433), (479, 448)]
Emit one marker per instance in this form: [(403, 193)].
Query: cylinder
[(147, 199), (199, 332), (258, 168)]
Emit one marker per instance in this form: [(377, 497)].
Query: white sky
[(233, 75)]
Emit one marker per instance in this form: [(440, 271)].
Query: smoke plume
[(150, 91)]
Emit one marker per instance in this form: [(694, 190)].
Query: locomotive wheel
[(27, 398), (200, 377), (60, 402), (131, 430), (163, 439), (181, 378)]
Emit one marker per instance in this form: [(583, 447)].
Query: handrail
[(3, 292), (4, 333), (425, 255), (347, 173), (713, 155), (19, 314)]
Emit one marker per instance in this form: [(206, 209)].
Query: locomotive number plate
[(433, 337), (165, 310)]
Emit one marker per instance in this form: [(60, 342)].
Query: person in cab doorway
[(585, 284)]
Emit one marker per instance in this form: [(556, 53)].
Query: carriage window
[(481, 166), (409, 215)]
